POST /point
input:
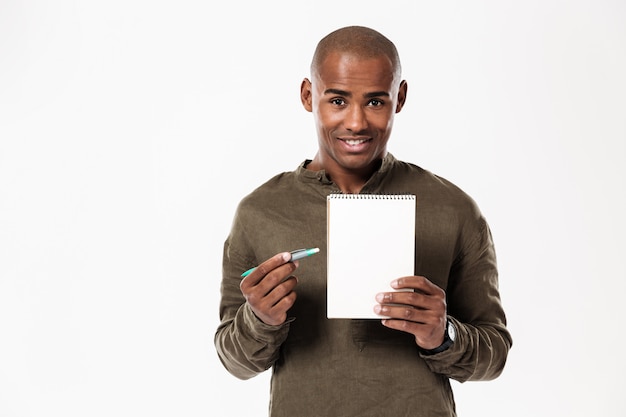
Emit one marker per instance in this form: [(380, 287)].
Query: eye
[(375, 102), (338, 101)]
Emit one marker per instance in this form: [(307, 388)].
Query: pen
[(295, 255)]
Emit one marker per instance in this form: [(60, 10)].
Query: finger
[(265, 268), (407, 313), (274, 279), (284, 289), (419, 283), (278, 313), (267, 306), (416, 300), (285, 302), (406, 326)]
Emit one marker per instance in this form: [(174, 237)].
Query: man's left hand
[(421, 312)]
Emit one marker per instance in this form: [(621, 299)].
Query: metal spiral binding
[(341, 196)]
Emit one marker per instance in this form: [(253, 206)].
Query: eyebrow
[(348, 94)]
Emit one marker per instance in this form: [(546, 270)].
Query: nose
[(356, 119)]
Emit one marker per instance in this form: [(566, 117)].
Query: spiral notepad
[(371, 241)]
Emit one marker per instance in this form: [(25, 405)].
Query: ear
[(306, 95), (402, 90)]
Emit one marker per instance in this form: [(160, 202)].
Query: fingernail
[(380, 297), (286, 256), (377, 309)]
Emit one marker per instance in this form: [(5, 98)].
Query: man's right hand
[(269, 289)]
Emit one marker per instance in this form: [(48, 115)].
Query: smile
[(355, 142)]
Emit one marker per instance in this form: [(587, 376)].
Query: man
[(451, 325)]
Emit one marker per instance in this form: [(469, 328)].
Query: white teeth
[(355, 142)]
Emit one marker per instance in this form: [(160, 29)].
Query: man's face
[(353, 101)]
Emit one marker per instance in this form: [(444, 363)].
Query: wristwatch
[(448, 340)]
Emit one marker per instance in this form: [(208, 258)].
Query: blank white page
[(371, 241)]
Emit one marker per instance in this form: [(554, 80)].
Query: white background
[(129, 130)]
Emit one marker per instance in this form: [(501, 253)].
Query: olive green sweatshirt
[(334, 367)]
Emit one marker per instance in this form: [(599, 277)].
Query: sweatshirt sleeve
[(245, 345), (482, 340)]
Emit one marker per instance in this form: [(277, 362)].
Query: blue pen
[(295, 255)]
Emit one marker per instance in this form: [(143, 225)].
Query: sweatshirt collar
[(307, 175)]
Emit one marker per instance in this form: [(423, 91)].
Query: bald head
[(362, 42)]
